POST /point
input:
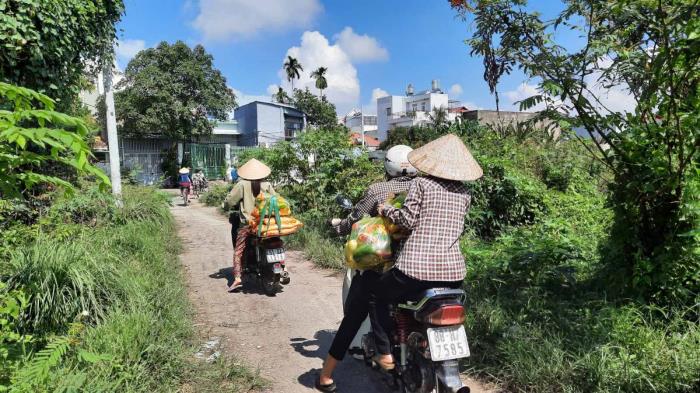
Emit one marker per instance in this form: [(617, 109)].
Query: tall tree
[(320, 76), (49, 45), (172, 90), (281, 96), (649, 49), (439, 117), (319, 112), (293, 69)]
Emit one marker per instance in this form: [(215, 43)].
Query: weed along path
[(285, 337)]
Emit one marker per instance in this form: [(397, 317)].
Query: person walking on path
[(251, 183)]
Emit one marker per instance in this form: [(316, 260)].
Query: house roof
[(369, 141)]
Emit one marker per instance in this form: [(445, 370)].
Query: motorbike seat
[(417, 300)]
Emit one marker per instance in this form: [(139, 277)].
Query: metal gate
[(210, 158)]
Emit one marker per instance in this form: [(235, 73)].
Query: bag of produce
[(397, 201), (272, 217), (268, 227), (369, 245)]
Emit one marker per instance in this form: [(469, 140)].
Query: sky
[(371, 48)]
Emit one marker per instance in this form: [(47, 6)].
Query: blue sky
[(370, 47)]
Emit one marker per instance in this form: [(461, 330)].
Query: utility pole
[(362, 126), (112, 139)]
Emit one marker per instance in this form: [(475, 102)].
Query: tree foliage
[(320, 113), (651, 50), (320, 76), (172, 90), (48, 45), (33, 136), (293, 69)]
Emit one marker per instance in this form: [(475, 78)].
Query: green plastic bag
[(369, 244)]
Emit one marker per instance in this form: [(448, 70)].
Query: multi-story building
[(265, 123), (359, 122), (411, 109)]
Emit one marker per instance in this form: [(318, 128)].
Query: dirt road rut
[(284, 337)]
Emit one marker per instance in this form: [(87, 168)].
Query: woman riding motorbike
[(252, 175), (184, 180), (434, 212), (399, 173)]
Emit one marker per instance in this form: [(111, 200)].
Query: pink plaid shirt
[(434, 211)]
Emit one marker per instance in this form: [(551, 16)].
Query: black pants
[(356, 308), (391, 287)]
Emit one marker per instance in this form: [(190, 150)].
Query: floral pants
[(241, 241)]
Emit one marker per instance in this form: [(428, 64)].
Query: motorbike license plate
[(447, 343), (276, 255)]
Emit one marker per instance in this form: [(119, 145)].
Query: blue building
[(265, 123)]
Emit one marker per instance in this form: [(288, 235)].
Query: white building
[(358, 122), (411, 109)]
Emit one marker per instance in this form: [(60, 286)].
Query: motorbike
[(265, 261), (429, 339)]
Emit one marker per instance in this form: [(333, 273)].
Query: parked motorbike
[(428, 341), (265, 261)]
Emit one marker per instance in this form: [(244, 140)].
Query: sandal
[(386, 366), (235, 287), (330, 388)]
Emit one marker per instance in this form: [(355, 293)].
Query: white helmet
[(396, 162)]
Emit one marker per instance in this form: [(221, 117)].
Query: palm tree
[(320, 76), (292, 67), (438, 116), (281, 96)]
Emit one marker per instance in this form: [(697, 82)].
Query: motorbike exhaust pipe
[(464, 389)]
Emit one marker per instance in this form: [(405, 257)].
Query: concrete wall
[(395, 104), (247, 118), (494, 118), (270, 124)]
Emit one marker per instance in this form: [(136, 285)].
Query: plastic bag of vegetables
[(369, 245), (397, 201)]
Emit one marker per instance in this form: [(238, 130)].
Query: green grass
[(116, 273)]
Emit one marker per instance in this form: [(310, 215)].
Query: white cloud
[(315, 51), (243, 98), (523, 91), (272, 89), (360, 48), (378, 93), (219, 20), (456, 90), (127, 49)]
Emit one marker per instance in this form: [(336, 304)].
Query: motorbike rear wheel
[(271, 283)]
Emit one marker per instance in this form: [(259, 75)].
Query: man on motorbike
[(199, 181), (252, 175), (434, 212), (399, 174)]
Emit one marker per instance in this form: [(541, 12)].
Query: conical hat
[(447, 158), (184, 170), (254, 170)]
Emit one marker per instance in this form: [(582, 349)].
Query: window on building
[(422, 106), (415, 107), (388, 111)]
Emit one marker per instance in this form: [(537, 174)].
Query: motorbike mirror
[(343, 202)]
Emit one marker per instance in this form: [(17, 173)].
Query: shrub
[(216, 194)]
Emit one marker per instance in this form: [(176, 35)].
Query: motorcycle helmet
[(396, 162)]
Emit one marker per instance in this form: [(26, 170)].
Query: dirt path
[(284, 337)]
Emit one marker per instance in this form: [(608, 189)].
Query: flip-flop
[(235, 287), (383, 364), (330, 388)]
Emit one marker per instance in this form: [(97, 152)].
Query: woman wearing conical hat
[(251, 182), (434, 212)]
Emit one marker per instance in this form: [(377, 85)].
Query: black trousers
[(356, 308), (392, 287)]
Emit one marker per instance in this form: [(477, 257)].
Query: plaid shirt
[(434, 211), (376, 194)]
